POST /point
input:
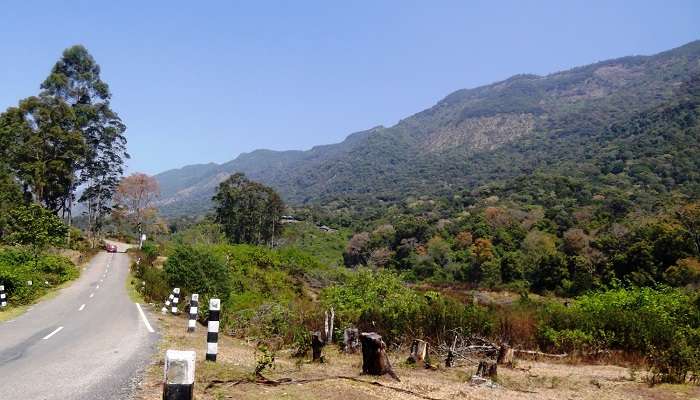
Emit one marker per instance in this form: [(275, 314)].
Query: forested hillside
[(578, 123)]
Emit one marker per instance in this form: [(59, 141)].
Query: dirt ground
[(231, 377)]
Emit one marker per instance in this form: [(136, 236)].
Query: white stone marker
[(179, 375)]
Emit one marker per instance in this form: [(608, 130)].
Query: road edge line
[(143, 317)]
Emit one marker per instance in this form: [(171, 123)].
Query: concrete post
[(178, 381), (213, 329), (167, 302), (3, 297), (194, 305), (176, 300)]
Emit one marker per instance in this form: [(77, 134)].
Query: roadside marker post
[(213, 329), (167, 302), (3, 297), (176, 300), (194, 304), (178, 383)]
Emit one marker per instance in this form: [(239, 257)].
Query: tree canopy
[(248, 211)]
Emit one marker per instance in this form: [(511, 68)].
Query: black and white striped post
[(176, 300), (164, 310), (194, 308), (179, 375), (3, 297), (213, 329)]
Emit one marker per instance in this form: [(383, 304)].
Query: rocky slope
[(471, 137)]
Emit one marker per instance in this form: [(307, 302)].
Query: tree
[(250, 212), (689, 217), (10, 191), (46, 149), (357, 251), (75, 79), (36, 227), (134, 199), (439, 250)]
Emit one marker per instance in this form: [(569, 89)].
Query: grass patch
[(133, 288), (12, 312)]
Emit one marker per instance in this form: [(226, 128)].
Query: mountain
[(472, 137)]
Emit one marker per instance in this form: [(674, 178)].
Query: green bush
[(380, 301), (663, 324), (18, 266), (260, 289), (150, 250), (679, 361), (199, 269)]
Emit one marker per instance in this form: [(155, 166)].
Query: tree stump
[(505, 356), (487, 369), (419, 352), (450, 360), (375, 361), (351, 340), (317, 347)]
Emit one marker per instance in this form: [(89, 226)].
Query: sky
[(199, 82)]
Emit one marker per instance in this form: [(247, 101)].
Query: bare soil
[(231, 377)]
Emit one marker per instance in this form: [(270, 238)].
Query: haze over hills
[(470, 138)]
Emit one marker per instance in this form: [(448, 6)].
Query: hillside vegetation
[(471, 138)]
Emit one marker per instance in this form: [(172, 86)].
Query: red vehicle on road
[(111, 248)]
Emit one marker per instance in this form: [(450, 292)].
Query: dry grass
[(529, 380)]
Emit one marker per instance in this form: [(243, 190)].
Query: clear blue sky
[(204, 81)]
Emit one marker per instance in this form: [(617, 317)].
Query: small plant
[(633, 373), (264, 358), (302, 342)]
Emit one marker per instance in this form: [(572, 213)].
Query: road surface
[(89, 342)]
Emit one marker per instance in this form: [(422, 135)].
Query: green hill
[(592, 123)]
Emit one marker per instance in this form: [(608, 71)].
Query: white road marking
[(102, 280), (81, 307), (97, 287), (52, 333), (145, 320), (92, 294)]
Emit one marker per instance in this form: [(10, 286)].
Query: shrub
[(150, 250), (17, 266), (198, 269), (679, 361), (379, 301), (663, 324)]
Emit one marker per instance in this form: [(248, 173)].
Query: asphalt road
[(89, 342)]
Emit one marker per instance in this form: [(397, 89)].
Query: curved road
[(89, 342)]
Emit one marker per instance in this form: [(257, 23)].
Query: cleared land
[(339, 378)]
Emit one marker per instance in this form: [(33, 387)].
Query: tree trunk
[(70, 217), (328, 325), (505, 356), (351, 340), (375, 361), (419, 352), (317, 347)]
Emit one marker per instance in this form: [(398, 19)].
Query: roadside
[(93, 321), (232, 376), (81, 261)]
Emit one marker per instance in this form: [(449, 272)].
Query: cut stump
[(419, 352), (505, 356), (351, 340), (375, 361), (487, 369), (317, 344)]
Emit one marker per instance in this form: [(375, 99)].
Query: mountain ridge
[(437, 150)]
